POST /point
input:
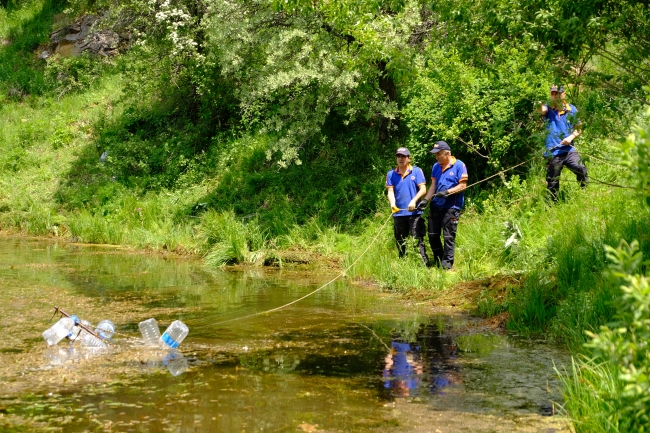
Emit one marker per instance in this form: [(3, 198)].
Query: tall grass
[(583, 388)]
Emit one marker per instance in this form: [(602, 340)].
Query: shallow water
[(346, 359)]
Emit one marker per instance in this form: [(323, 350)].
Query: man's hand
[(442, 193), (542, 108), (422, 205), (394, 209), (411, 206), (567, 140)]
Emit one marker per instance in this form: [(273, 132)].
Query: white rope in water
[(342, 273)]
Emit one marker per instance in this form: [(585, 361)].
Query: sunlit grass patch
[(583, 388)]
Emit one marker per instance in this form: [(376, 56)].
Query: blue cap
[(403, 151), (441, 145)]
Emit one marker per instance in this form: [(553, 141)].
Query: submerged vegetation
[(260, 133)]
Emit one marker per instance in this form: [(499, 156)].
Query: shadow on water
[(346, 359)]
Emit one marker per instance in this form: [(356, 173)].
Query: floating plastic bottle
[(175, 334), (58, 331), (92, 342), (59, 355), (77, 330), (176, 363), (150, 332), (105, 329)]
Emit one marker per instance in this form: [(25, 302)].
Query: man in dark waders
[(563, 127), (448, 181), (406, 185)]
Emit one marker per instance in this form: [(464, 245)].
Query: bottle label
[(169, 341)]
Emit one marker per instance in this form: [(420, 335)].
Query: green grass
[(583, 388)]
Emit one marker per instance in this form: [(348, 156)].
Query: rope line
[(376, 336), (342, 273), (590, 179), (501, 172)]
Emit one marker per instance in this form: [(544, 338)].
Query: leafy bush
[(624, 343), (609, 391), (72, 74)]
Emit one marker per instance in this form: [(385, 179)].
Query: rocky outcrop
[(79, 37)]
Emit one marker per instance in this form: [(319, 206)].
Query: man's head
[(557, 93), (403, 157), (442, 151)]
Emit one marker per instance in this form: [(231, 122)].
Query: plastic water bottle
[(150, 332), (175, 334), (59, 356), (176, 363), (92, 342), (77, 330), (58, 331), (105, 329)]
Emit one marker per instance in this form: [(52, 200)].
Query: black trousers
[(443, 221), (570, 160), (413, 225)]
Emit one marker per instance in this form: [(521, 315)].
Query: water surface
[(345, 359)]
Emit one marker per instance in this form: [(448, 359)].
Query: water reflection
[(443, 362), (403, 369), (430, 362), (67, 355)]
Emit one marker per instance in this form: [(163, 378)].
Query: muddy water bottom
[(345, 359)]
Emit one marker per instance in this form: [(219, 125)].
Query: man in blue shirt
[(406, 185), (563, 127), (448, 181)]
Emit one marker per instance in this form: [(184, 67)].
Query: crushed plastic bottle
[(175, 334), (58, 331), (104, 330), (150, 332)]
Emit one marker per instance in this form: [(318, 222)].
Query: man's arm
[(431, 190), (577, 130), (462, 186), (391, 197), (421, 192)]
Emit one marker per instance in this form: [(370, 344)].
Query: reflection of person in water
[(443, 368), (403, 369), (433, 360)]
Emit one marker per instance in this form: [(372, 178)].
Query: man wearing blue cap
[(563, 127), (448, 181), (406, 185)]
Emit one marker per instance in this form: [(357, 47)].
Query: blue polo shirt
[(560, 124), (447, 178), (405, 188)]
